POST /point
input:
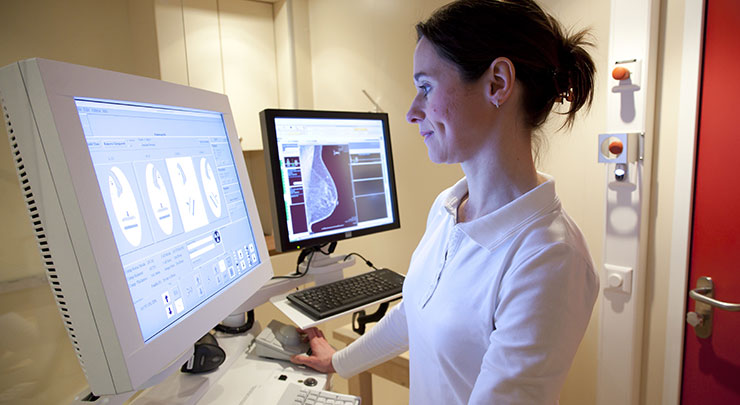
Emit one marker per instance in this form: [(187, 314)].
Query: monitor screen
[(171, 191), (142, 209), (331, 175)]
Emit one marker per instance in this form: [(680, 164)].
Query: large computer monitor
[(142, 209), (331, 174)]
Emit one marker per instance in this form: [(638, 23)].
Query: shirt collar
[(491, 229)]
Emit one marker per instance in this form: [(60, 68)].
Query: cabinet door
[(249, 68), (202, 48), (173, 62), (226, 46)]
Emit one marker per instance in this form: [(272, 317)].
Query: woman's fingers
[(321, 352), (312, 332)]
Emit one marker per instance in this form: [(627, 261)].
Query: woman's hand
[(321, 352)]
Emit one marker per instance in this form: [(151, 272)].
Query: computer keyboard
[(333, 298), (296, 394)]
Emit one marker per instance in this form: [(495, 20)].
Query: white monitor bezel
[(55, 88)]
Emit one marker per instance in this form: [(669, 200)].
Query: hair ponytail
[(577, 83)]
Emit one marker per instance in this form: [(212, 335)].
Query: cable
[(332, 246), (306, 252), (368, 262), (311, 251)]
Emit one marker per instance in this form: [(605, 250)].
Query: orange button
[(616, 147), (620, 73)]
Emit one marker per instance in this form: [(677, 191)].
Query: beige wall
[(580, 181), (354, 45), (112, 35)]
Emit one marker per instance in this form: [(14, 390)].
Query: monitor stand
[(326, 268)]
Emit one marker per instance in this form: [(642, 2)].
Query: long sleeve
[(386, 340)]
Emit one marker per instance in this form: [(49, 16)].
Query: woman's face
[(452, 114)]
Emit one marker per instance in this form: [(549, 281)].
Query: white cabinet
[(226, 46)]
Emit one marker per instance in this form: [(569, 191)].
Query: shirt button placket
[(448, 253)]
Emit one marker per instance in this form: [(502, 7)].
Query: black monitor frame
[(274, 180)]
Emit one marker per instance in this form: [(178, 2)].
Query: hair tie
[(561, 95)]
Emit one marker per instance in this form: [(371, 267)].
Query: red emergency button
[(616, 147), (620, 73)]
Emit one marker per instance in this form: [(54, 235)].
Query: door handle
[(702, 295), (701, 317)]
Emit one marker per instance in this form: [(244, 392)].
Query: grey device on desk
[(279, 341)]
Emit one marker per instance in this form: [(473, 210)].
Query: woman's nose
[(415, 114)]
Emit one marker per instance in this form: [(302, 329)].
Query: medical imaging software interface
[(334, 174), (171, 190)]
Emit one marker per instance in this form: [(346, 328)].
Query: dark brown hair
[(550, 64)]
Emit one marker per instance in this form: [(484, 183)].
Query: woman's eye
[(425, 89)]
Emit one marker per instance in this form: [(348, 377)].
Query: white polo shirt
[(493, 309)]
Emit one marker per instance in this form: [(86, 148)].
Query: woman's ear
[(501, 76)]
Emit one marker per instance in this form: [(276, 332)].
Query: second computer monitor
[(331, 175)]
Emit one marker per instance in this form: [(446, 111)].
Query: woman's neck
[(501, 173)]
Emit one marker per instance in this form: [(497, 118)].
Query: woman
[(501, 287)]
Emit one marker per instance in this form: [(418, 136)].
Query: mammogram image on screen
[(327, 185)]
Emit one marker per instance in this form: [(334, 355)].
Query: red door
[(711, 373)]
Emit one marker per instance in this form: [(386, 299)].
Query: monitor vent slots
[(40, 233)]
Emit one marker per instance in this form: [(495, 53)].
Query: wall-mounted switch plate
[(618, 278)]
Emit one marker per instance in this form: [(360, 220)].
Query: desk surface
[(244, 378)]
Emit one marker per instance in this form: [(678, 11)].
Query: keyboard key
[(298, 394)]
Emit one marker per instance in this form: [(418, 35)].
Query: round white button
[(614, 280)]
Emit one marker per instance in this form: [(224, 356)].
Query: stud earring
[(496, 103)]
